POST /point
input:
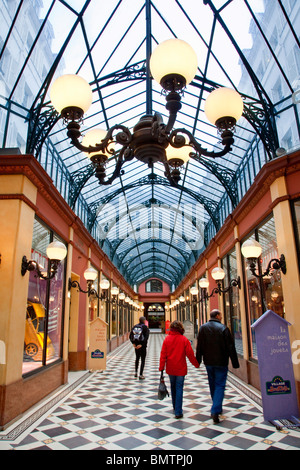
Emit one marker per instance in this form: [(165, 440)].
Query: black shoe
[(178, 416), (215, 418), (135, 374)]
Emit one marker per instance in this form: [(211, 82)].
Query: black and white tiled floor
[(113, 411)]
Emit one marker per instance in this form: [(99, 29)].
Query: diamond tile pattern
[(115, 411)]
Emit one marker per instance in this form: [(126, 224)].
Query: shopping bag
[(162, 389)]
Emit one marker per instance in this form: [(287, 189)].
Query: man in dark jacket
[(139, 337), (216, 345)]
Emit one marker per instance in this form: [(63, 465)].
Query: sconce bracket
[(275, 263), (90, 290), (32, 265), (76, 285), (218, 290)]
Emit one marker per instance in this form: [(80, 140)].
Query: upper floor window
[(154, 285)]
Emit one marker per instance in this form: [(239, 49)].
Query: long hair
[(176, 325)]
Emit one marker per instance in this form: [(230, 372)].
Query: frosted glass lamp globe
[(71, 91), (173, 57), (223, 103), (56, 251)]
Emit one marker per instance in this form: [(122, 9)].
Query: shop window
[(94, 301), (266, 293), (125, 315), (44, 313), (114, 321), (232, 301), (121, 320)]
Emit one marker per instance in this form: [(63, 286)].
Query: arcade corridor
[(114, 411)]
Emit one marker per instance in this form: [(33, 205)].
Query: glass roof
[(146, 226)]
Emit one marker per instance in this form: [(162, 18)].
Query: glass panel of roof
[(249, 44)]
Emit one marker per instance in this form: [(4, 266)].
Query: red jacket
[(174, 351)]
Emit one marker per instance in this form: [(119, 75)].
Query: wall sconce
[(218, 274), (252, 250), (56, 252), (203, 283), (90, 275), (186, 301), (122, 296), (194, 290), (114, 291)]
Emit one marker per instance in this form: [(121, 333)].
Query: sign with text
[(189, 331), (278, 389), (97, 345)]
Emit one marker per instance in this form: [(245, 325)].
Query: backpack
[(138, 334)]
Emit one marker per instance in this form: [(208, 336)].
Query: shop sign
[(97, 345), (97, 354), (278, 388)]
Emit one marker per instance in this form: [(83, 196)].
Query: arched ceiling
[(146, 226)]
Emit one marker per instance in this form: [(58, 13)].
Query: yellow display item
[(34, 333)]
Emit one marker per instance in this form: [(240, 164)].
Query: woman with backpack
[(139, 337), (175, 349)]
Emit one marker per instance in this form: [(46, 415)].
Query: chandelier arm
[(173, 105), (213, 154), (172, 180), (177, 141), (120, 162), (123, 138), (171, 122)]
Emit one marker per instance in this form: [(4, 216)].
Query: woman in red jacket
[(175, 349)]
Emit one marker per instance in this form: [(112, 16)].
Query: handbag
[(162, 389)]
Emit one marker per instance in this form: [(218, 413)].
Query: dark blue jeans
[(177, 382), (217, 376)]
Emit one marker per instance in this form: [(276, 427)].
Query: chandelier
[(173, 65)]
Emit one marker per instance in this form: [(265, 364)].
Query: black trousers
[(140, 354)]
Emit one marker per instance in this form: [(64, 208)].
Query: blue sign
[(97, 354), (278, 388)]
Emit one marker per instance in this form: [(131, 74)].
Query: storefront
[(44, 320), (44, 324), (269, 214), (45, 307), (155, 315)]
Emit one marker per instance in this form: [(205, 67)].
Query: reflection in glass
[(232, 301), (43, 323), (266, 293)]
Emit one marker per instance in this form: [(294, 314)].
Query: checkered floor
[(114, 411)]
